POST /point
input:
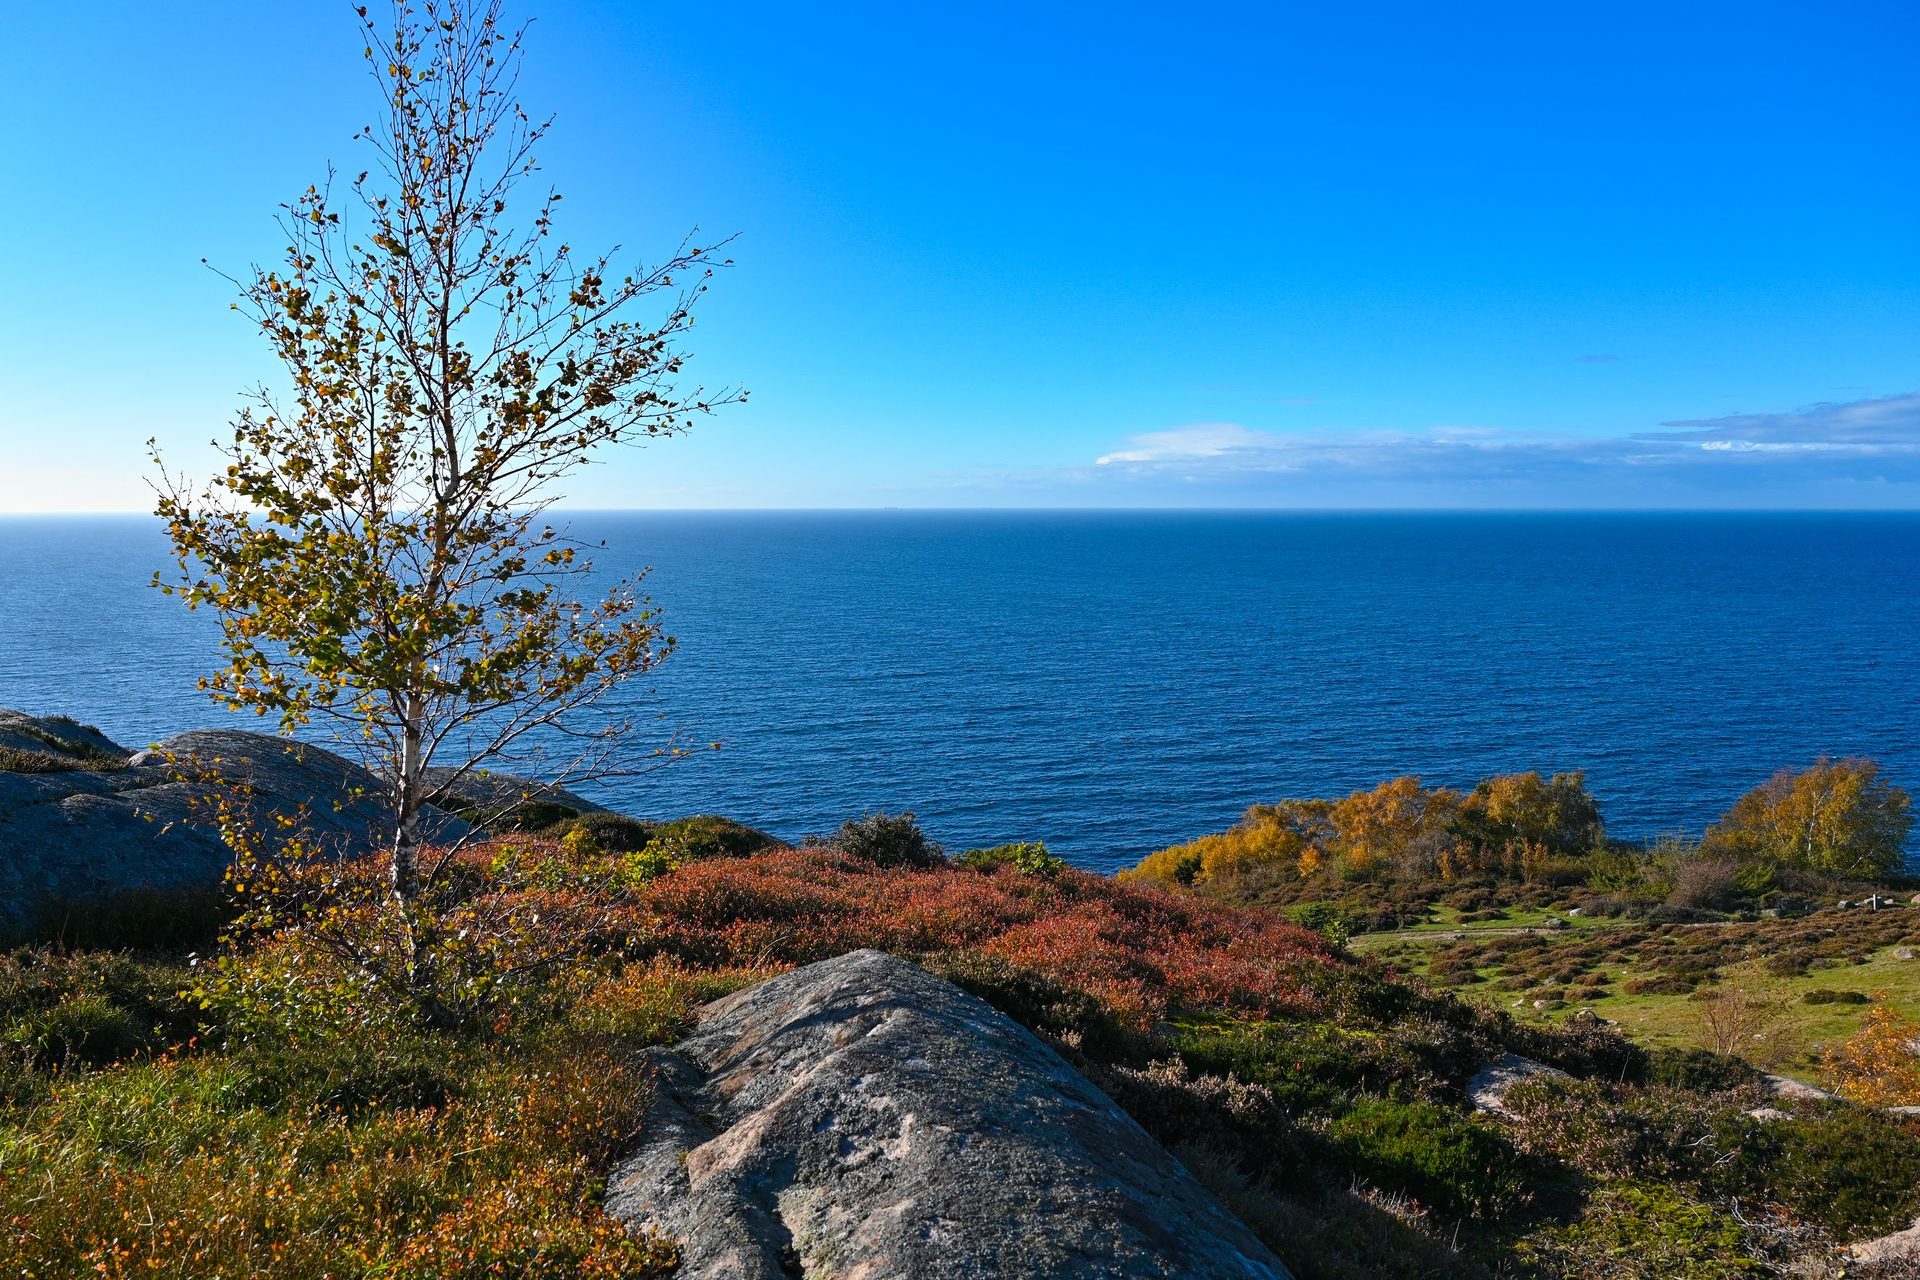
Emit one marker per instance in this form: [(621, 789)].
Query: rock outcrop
[(105, 820), (1795, 1090), (82, 816), (862, 1119)]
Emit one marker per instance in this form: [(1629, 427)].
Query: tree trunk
[(403, 873)]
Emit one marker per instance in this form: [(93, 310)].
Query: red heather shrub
[(1138, 949)]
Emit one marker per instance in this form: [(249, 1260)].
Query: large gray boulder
[(862, 1119), (82, 817), (100, 820)]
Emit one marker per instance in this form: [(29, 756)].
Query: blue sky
[(1027, 255)]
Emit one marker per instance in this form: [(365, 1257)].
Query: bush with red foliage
[(1139, 950)]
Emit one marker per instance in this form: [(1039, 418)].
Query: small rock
[(1905, 953), (1796, 1090), (1897, 1247), (1487, 1091), (1768, 1114)]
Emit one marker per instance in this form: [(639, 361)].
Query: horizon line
[(895, 509)]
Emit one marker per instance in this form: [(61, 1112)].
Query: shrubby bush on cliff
[(1028, 857), (1514, 824), (885, 840), (1389, 855)]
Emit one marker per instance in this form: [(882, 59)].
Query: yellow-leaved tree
[(1514, 810), (1837, 817), (1391, 820)]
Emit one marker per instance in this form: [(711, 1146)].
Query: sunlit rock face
[(863, 1119)]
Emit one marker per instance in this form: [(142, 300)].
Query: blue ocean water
[(1116, 681)]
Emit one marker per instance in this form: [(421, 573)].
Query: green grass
[(1445, 919), (1803, 1030), (1674, 1019), (132, 1143)]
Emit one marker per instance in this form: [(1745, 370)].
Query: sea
[(1112, 682)]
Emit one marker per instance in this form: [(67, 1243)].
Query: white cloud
[(1881, 424), (1827, 451), (1198, 440)]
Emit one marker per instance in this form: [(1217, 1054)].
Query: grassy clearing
[(1651, 980), (1442, 919), (1803, 1032)]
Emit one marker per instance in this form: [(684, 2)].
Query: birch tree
[(1841, 818), (377, 549)]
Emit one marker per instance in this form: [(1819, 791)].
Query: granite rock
[(862, 1119), (118, 820)]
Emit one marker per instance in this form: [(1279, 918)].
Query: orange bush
[(1878, 1066)]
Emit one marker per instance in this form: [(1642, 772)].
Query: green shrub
[(1446, 1160), (394, 1071), (58, 753), (16, 760), (643, 1004), (1454, 966), (613, 832), (1044, 1005), (1699, 1069), (886, 840), (1329, 918), (1849, 1170), (1028, 857), (224, 1165), (1826, 995), (708, 836), (1330, 1235), (1788, 964), (176, 919), (643, 865), (1320, 1066), (82, 1028), (1588, 1050), (1614, 1132), (1243, 1122), (61, 1010), (1642, 1232), (496, 813), (525, 816)]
